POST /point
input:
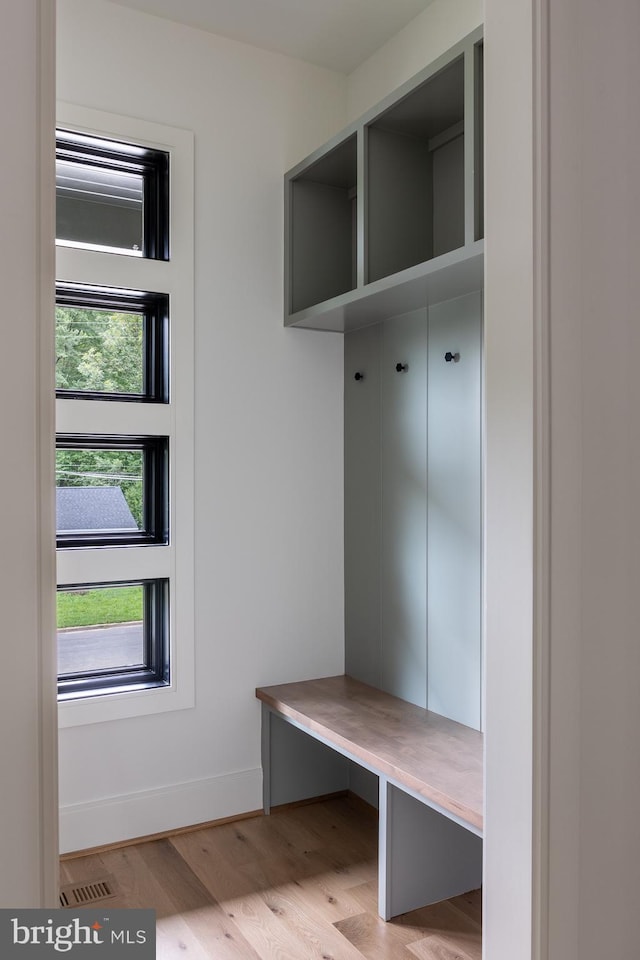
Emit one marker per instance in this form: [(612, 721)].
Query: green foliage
[(98, 350), (82, 608)]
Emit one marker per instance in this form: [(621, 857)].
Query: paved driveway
[(100, 647)]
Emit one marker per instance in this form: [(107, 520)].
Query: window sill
[(126, 704)]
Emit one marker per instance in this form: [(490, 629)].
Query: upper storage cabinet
[(322, 227), (388, 217), (415, 175)]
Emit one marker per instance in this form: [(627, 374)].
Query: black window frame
[(156, 626), (154, 308), (155, 492), (117, 155)]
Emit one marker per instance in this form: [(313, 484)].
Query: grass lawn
[(84, 608)]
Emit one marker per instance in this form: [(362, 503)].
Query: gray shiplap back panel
[(404, 506), (413, 519), (362, 504), (455, 510)]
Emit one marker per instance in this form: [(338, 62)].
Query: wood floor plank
[(333, 821), (188, 918), (316, 892), (322, 938), (366, 894), (218, 935), (83, 870), (438, 926), (322, 879), (438, 919), (470, 904), (137, 888), (375, 939), (243, 842), (141, 885), (349, 847), (298, 885), (328, 898), (295, 831), (272, 937), (227, 879), (174, 940), (181, 885), (148, 878), (438, 948), (280, 910)]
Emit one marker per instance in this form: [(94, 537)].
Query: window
[(112, 196), (112, 637), (111, 344), (124, 405), (111, 490)]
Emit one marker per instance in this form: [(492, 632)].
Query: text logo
[(31, 934)]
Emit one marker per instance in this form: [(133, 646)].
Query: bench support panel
[(295, 766), (423, 856)]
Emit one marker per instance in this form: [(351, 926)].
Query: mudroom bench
[(429, 773)]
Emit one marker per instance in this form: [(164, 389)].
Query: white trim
[(511, 494), (175, 419), (133, 815), (98, 247), (113, 416), (106, 564), (542, 485), (49, 871)]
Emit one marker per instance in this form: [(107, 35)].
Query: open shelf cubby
[(388, 216), (322, 223), (415, 207)]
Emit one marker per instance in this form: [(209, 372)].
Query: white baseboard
[(113, 819)]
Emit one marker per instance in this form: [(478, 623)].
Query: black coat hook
[(358, 376), (402, 367), (451, 356)]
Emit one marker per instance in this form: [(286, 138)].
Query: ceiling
[(338, 34)]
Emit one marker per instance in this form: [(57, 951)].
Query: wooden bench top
[(436, 758)]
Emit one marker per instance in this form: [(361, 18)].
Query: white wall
[(594, 783), (509, 506), (430, 34), (268, 498), (563, 565), (28, 826)]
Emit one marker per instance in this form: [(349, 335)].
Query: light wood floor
[(298, 885)]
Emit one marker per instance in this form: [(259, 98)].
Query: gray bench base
[(424, 853)]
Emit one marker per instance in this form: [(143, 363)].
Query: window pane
[(112, 637), (99, 490), (99, 350), (100, 629), (99, 207)]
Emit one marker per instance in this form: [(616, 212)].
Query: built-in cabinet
[(388, 216), (384, 242)]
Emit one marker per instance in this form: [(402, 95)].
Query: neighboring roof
[(92, 508)]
